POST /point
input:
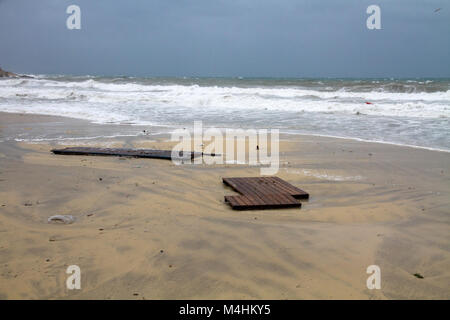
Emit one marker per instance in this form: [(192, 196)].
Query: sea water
[(414, 112)]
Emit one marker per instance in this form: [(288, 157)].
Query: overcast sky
[(249, 38)]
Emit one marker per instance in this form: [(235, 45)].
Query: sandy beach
[(148, 229)]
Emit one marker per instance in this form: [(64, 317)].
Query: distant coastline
[(8, 74)]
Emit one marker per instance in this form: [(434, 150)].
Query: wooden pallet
[(263, 193), (121, 152)]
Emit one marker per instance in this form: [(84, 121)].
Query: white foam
[(330, 111), (367, 140), (126, 100), (323, 175)]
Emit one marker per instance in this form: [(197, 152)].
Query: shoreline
[(170, 128), (148, 229)]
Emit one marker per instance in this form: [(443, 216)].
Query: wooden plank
[(247, 190), (244, 187), (287, 198), (266, 185), (275, 184), (232, 200), (271, 196), (121, 152), (293, 190), (240, 201), (281, 184), (282, 188), (261, 186), (262, 193)]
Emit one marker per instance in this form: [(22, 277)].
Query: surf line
[(191, 310)]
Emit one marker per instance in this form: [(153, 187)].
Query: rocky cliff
[(5, 74)]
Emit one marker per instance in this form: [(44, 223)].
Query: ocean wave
[(92, 93), (323, 175), (413, 112)]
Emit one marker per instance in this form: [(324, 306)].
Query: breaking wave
[(405, 109)]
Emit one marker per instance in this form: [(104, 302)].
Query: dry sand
[(147, 229)]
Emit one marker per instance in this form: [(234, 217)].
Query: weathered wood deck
[(263, 193), (121, 152)]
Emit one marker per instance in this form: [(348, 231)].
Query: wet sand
[(148, 229)]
